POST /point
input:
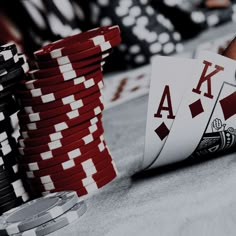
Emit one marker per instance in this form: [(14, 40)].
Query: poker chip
[(77, 43), (45, 73), (8, 103), (59, 146), (7, 52), (68, 167), (61, 110), (13, 67), (64, 76), (7, 65), (95, 186), (61, 93), (11, 204), (91, 184), (50, 160), (6, 126), (84, 105), (55, 135), (16, 73), (80, 179), (82, 95), (34, 138), (80, 171), (81, 105), (37, 212), (18, 192), (67, 218), (71, 151), (48, 89), (68, 118), (58, 139), (64, 65), (10, 110)]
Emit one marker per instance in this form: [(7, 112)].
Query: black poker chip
[(14, 72), (7, 51), (6, 190), (6, 66), (3, 174), (6, 125), (145, 32), (7, 197), (9, 111), (10, 204), (7, 102)]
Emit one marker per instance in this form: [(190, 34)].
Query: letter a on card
[(169, 79)]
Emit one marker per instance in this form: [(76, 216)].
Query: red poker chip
[(58, 137), (24, 142), (53, 71), (78, 180), (79, 105), (49, 160), (45, 151), (84, 62), (108, 171), (33, 113), (48, 170), (85, 94), (81, 170), (95, 186), (66, 168), (96, 107), (35, 137), (39, 91), (59, 127), (50, 97), (58, 79), (90, 188), (58, 147), (77, 56), (77, 43)]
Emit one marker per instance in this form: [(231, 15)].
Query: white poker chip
[(67, 218), (37, 212)]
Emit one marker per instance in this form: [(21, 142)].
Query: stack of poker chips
[(12, 70), (62, 146), (145, 31), (43, 216)]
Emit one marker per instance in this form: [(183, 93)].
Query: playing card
[(125, 86), (196, 107), (169, 79), (220, 133)]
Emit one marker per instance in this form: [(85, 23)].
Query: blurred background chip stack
[(148, 27)]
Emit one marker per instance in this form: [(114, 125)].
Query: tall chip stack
[(12, 69), (62, 146)]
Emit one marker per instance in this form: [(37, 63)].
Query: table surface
[(191, 200)]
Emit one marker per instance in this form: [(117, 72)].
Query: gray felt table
[(193, 200)]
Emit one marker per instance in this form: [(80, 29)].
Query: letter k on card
[(169, 79)]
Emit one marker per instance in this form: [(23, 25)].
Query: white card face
[(169, 79), (196, 107)]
